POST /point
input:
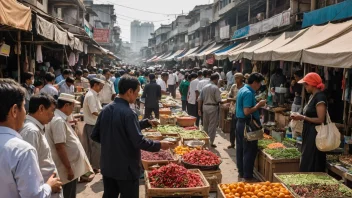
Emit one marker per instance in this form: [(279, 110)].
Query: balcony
[(227, 8), (194, 27)]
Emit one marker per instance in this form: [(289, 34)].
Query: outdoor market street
[(94, 189)]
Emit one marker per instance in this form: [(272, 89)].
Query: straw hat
[(68, 98)]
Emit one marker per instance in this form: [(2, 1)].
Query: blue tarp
[(226, 48), (241, 32), (331, 13)]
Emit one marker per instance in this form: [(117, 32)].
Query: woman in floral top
[(232, 97)]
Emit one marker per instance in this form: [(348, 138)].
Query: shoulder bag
[(253, 131)]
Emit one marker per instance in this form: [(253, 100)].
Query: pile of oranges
[(255, 190)]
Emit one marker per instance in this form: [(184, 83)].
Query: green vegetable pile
[(190, 134), (262, 144), (289, 142), (313, 185), (286, 153), (168, 129)]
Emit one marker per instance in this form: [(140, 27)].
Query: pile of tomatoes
[(255, 190)]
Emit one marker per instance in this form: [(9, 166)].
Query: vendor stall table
[(214, 178)]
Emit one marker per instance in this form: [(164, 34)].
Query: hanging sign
[(5, 50)]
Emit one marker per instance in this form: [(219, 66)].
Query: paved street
[(95, 188)]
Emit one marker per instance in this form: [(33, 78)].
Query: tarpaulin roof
[(234, 54), (265, 53), (209, 50), (194, 55), (170, 58), (314, 36), (162, 56), (336, 53), (222, 54), (15, 15), (186, 54), (247, 52), (151, 59)]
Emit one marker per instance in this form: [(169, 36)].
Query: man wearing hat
[(67, 151), (91, 109), (232, 97)]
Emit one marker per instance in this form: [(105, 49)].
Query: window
[(40, 1)]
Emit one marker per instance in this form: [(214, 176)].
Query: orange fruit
[(281, 195), (233, 191), (227, 191), (267, 196), (240, 190), (260, 194), (274, 194), (237, 195)]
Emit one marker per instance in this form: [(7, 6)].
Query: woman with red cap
[(312, 160)]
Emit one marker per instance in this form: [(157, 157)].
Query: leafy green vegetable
[(189, 134), (262, 144), (283, 153), (168, 129), (305, 179)]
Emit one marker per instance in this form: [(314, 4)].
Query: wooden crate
[(273, 166), (177, 192), (261, 164), (214, 178), (166, 120), (227, 126), (206, 139), (147, 164)]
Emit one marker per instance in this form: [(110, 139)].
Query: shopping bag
[(328, 137), (253, 131), (296, 125)]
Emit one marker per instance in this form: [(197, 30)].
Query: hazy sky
[(166, 7)]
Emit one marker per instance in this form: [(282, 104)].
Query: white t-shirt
[(91, 104), (107, 92), (202, 84), (162, 84), (173, 79), (192, 91)]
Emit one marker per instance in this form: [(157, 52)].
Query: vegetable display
[(201, 158), (181, 150), (346, 159), (189, 134), (191, 128), (262, 144), (283, 153), (168, 129), (314, 185), (174, 176), (276, 145), (161, 155), (255, 190)]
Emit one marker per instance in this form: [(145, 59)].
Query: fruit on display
[(161, 155), (201, 158), (275, 145), (181, 150), (190, 128), (255, 190), (174, 176), (192, 134), (283, 153)]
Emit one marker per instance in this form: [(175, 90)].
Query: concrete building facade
[(140, 33)]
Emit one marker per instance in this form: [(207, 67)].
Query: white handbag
[(328, 137)]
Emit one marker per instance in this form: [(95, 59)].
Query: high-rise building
[(140, 33)]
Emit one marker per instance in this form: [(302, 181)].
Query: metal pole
[(18, 56), (249, 11), (313, 4), (267, 9)]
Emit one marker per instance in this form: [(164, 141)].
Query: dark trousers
[(184, 105), (246, 151), (172, 90), (69, 189), (125, 188), (148, 112), (233, 130), (193, 111)]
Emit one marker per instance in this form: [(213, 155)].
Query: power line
[(146, 11)]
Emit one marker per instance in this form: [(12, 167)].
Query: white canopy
[(186, 54), (224, 55), (170, 58), (314, 36), (265, 53), (194, 54), (207, 51), (336, 53), (248, 51)]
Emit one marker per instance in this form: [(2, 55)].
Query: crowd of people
[(43, 156)]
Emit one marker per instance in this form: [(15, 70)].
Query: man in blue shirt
[(116, 82), (119, 133), (247, 107)]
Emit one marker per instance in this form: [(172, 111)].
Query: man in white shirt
[(41, 111), (192, 106), (20, 173), (204, 81), (66, 148), (230, 77), (172, 83), (162, 82), (67, 86), (49, 87), (216, 69), (91, 109), (107, 94)]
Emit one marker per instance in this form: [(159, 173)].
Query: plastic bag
[(328, 137)]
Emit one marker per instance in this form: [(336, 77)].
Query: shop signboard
[(5, 50), (101, 35)]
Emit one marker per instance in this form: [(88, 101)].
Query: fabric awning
[(161, 57), (314, 36), (93, 49), (151, 59), (248, 51), (221, 55), (60, 36), (15, 15), (265, 53), (207, 51), (233, 55), (336, 53), (194, 55), (45, 28), (187, 53), (170, 58)]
